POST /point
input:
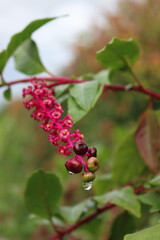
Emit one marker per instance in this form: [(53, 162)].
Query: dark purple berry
[(92, 152), (80, 148), (93, 164), (73, 166)]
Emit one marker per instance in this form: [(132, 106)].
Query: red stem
[(65, 80), (106, 207), (81, 222)]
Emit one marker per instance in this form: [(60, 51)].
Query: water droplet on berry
[(70, 172), (87, 185)]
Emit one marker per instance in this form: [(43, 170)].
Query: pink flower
[(64, 150), (64, 134)]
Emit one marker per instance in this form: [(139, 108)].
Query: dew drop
[(70, 172), (87, 185)]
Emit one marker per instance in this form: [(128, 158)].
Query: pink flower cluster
[(47, 110)]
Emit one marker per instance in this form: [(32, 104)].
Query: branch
[(99, 211), (59, 80)]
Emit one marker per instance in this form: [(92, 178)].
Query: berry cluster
[(47, 110)]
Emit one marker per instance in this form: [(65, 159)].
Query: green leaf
[(7, 94), (155, 181), (75, 110), (147, 138), (43, 193), (118, 54), (20, 37), (124, 198), (27, 58), (151, 199), (3, 59), (102, 77), (146, 234), (127, 161), (73, 214), (119, 229), (84, 94), (61, 89)]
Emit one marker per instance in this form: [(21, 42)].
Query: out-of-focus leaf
[(103, 183), (147, 138), (7, 94), (125, 223), (93, 227), (146, 234), (43, 192), (118, 54), (124, 198), (155, 181), (151, 199), (127, 161), (27, 58), (74, 213)]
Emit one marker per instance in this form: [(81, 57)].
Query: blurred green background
[(24, 147)]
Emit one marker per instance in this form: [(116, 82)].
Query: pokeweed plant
[(140, 160)]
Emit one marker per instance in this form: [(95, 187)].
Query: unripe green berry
[(93, 164), (88, 177)]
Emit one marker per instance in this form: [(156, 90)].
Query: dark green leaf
[(3, 59), (7, 94), (124, 198), (27, 58), (146, 234), (118, 54), (119, 229), (75, 110), (20, 37), (74, 213), (155, 181), (43, 193), (127, 161), (151, 199)]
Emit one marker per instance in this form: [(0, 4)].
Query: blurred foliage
[(24, 147), (133, 19)]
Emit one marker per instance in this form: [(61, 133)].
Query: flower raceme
[(49, 112)]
